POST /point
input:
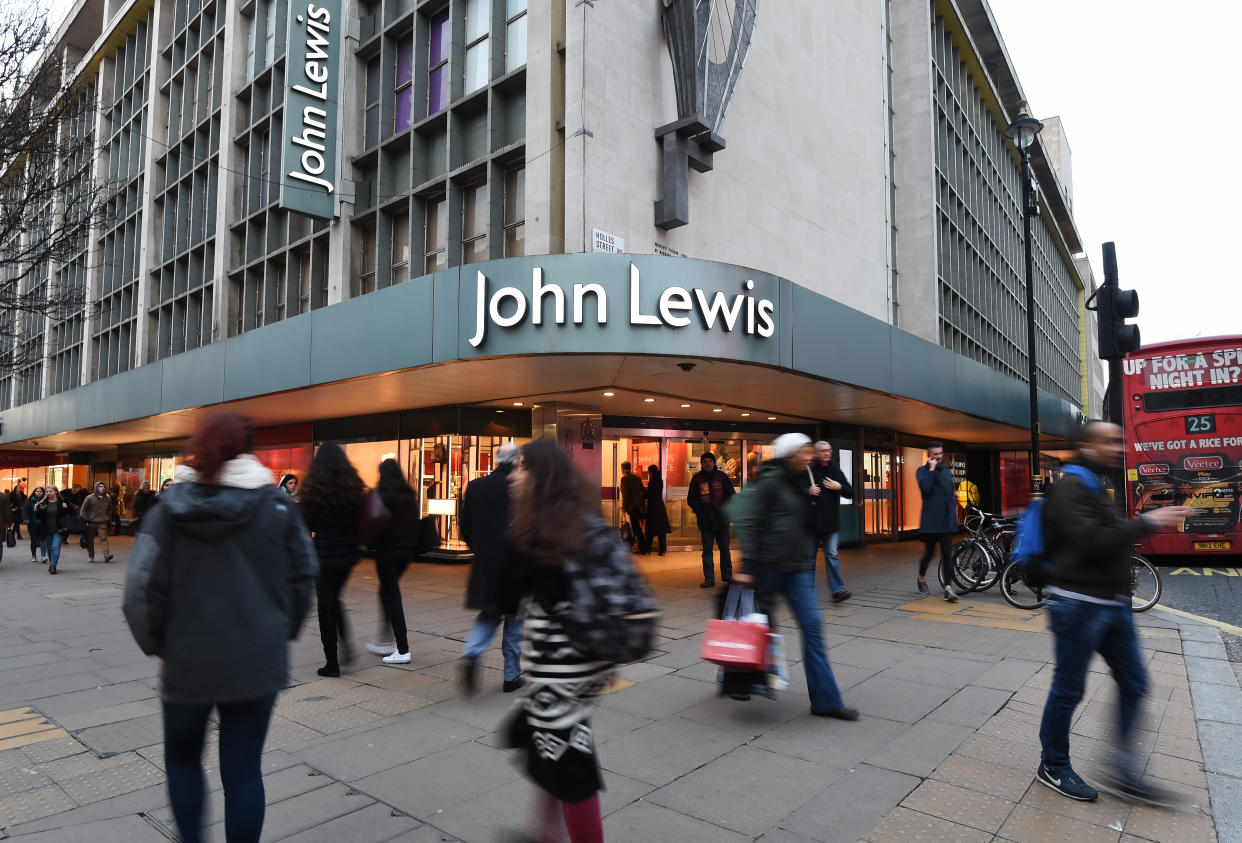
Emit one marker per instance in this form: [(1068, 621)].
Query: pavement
[(946, 747)]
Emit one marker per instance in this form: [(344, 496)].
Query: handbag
[(374, 517), (428, 534), (10, 540), (736, 643)]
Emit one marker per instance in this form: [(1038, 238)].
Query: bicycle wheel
[(971, 563), (1145, 585), (992, 576), (1015, 590)]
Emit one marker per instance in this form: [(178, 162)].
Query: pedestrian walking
[(17, 505), (828, 486), (1087, 545), (776, 556), (552, 521), (484, 526), (143, 499), (657, 525), (395, 547), (332, 498), (30, 517), (290, 485), (219, 582), (938, 521), (632, 492), (709, 491), (97, 511), (52, 515), (6, 516)]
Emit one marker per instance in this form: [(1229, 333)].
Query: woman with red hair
[(219, 581)]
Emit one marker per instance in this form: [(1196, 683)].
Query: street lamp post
[(1023, 131)]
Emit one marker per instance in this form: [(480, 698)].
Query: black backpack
[(613, 613)]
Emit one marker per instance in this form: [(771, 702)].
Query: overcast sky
[(1147, 93)]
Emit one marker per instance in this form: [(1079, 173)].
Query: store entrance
[(879, 494)]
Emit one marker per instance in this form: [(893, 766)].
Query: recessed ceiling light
[(685, 405), (500, 411), (771, 418), (648, 400), (717, 410), (517, 403), (609, 394), (745, 414)]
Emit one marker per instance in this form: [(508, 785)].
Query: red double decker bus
[(1183, 422)]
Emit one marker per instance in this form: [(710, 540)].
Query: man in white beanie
[(776, 539)]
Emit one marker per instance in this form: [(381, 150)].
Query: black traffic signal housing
[(1117, 337)]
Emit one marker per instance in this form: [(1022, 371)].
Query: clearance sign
[(308, 177)]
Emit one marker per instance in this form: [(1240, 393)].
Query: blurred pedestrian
[(938, 521), (395, 547), (484, 526), (709, 491), (143, 499), (17, 504), (632, 504), (828, 485), (30, 518), (657, 526), (1088, 544), (290, 485), (219, 582), (332, 499), (52, 515), (776, 553), (97, 511), (552, 520)]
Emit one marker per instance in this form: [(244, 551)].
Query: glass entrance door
[(878, 494)]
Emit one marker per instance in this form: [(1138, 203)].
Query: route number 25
[(1201, 424)]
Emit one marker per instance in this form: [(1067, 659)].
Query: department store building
[(649, 229)]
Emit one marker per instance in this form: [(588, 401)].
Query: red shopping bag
[(734, 643)]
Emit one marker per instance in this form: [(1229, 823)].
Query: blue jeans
[(832, 565), (50, 545), (480, 638), (243, 728), (798, 589), (1079, 629)]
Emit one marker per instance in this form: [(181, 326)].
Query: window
[(265, 167), (478, 13), (515, 212), (474, 223), (404, 98), (269, 33), (252, 33), (366, 274), (304, 281), (435, 250), (515, 34), (371, 122), (400, 248), (437, 63)]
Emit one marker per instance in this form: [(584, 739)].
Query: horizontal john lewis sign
[(585, 302)]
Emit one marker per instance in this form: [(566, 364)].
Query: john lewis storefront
[(641, 357)]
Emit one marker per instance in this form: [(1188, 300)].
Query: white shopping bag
[(778, 668)]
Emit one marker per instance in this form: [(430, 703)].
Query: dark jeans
[(636, 524), (1080, 629), (945, 543), (390, 565), (719, 538), (243, 728), (798, 589), (331, 612)]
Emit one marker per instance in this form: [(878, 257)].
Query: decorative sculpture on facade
[(707, 41)]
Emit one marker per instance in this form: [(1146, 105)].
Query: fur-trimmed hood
[(242, 487)]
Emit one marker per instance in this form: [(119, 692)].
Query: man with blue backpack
[(1086, 563)]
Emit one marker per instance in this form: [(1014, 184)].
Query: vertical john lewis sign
[(308, 180)]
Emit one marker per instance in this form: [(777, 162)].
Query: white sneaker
[(381, 648), (397, 658)]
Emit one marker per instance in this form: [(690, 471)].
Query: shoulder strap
[(1085, 475)]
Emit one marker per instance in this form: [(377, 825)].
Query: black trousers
[(636, 524), (719, 539), (331, 613), (945, 542), (390, 565)]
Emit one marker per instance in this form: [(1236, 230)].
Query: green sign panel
[(308, 177)]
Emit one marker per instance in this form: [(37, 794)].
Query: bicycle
[(1145, 586), (977, 560)]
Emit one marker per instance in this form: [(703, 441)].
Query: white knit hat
[(788, 444)]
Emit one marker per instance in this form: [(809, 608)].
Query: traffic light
[(1117, 337)]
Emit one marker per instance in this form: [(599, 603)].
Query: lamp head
[(1024, 129)]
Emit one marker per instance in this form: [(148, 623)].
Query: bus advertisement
[(1183, 425)]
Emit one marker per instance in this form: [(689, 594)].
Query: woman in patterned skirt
[(550, 522)]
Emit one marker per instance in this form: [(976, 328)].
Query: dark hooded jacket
[(779, 521), (220, 578), (484, 526)]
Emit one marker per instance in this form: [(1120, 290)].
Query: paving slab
[(356, 756), (1226, 792), (972, 706), (437, 782), (643, 820), (921, 749), (1214, 671), (130, 827), (1222, 748), (897, 699), (833, 743), (666, 750), (851, 806)]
